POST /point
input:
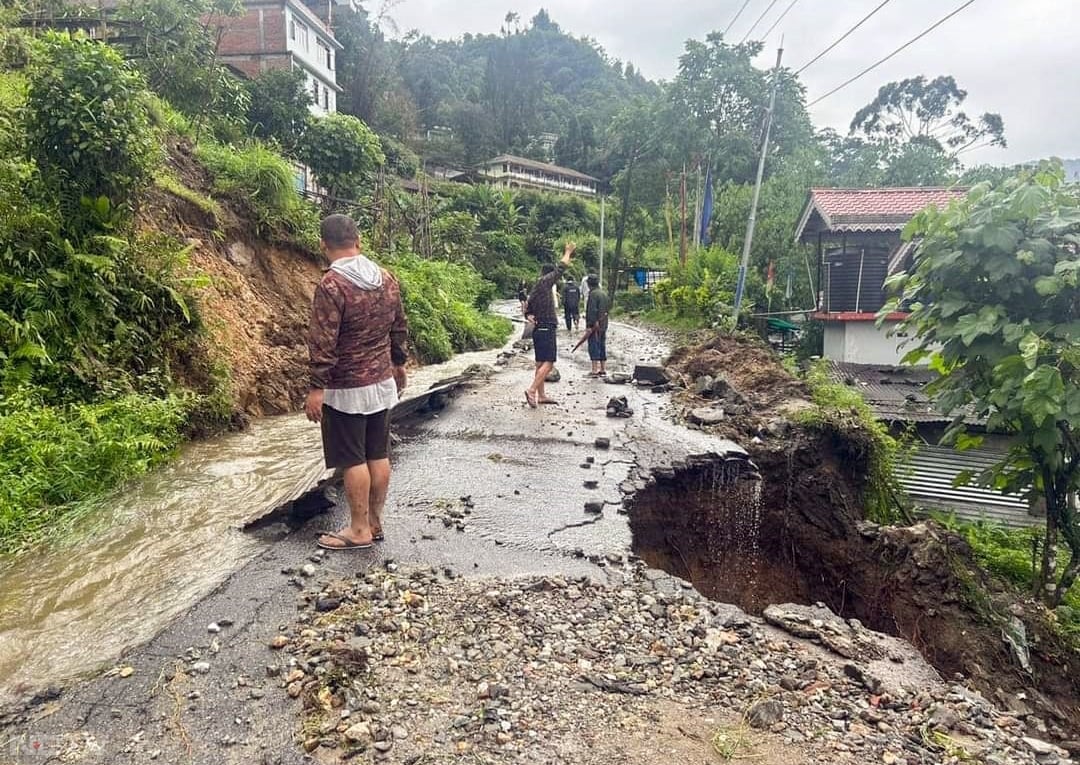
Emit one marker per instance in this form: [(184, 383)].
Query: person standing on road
[(596, 319), (585, 288), (541, 312), (523, 295), (571, 304), (357, 353)]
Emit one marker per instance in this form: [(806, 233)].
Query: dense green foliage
[(446, 304), (263, 181), (87, 130), (343, 152), (1012, 555), (280, 107), (57, 458), (174, 43), (863, 443), (995, 296)]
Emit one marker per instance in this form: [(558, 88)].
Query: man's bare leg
[(536, 390), (379, 471), (357, 492)]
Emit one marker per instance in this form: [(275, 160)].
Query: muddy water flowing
[(168, 539)]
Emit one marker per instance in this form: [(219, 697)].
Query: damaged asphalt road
[(202, 691)]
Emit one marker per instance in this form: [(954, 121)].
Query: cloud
[(1013, 58)]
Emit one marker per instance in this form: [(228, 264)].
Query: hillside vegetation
[(155, 276)]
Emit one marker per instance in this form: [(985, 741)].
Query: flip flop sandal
[(347, 544), (530, 400), (380, 537)]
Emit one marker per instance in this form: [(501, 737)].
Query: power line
[(903, 47), (765, 13), (843, 37), (737, 15), (777, 22)]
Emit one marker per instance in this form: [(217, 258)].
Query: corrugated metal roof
[(895, 394), (928, 479)]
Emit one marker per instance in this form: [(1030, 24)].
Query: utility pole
[(740, 286), (682, 217), (600, 276)]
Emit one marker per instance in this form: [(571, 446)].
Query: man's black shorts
[(545, 345), (354, 439)]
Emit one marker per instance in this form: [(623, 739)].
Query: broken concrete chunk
[(650, 373), (602, 443), (707, 415)]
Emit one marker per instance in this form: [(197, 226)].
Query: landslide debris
[(409, 667)]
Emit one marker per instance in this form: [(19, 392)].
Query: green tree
[(995, 306), (343, 152), (176, 48), (88, 129), (929, 113), (280, 107)]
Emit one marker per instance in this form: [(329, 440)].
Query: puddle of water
[(169, 538)]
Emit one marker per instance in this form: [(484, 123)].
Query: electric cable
[(843, 37), (737, 15), (881, 61), (753, 26), (778, 20)]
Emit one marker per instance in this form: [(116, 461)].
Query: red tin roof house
[(859, 245)]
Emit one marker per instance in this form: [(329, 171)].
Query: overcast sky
[(1019, 58)]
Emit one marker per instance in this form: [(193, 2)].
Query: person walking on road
[(571, 304), (541, 312), (357, 346), (596, 319), (523, 295)]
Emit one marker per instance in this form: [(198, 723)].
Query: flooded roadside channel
[(164, 542)]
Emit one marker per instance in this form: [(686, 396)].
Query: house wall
[(283, 35), (314, 50), (862, 342)]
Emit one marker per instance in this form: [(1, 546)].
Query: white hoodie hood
[(360, 271)]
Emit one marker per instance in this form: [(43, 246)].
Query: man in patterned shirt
[(357, 349)]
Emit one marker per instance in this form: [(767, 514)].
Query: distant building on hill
[(507, 171), (286, 34)]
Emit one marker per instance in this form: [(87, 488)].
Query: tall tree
[(995, 296), (929, 113)]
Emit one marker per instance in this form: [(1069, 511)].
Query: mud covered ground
[(920, 583)]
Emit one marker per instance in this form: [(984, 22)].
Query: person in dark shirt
[(523, 295), (540, 310), (571, 298), (596, 319)]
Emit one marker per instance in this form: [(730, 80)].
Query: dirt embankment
[(256, 305), (798, 535)]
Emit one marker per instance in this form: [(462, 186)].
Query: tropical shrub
[(343, 152), (54, 457), (265, 182), (441, 300), (279, 108), (88, 128)]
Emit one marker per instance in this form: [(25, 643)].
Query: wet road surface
[(522, 470)]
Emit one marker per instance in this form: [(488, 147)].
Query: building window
[(299, 34), (315, 90), (325, 56), (326, 98)]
